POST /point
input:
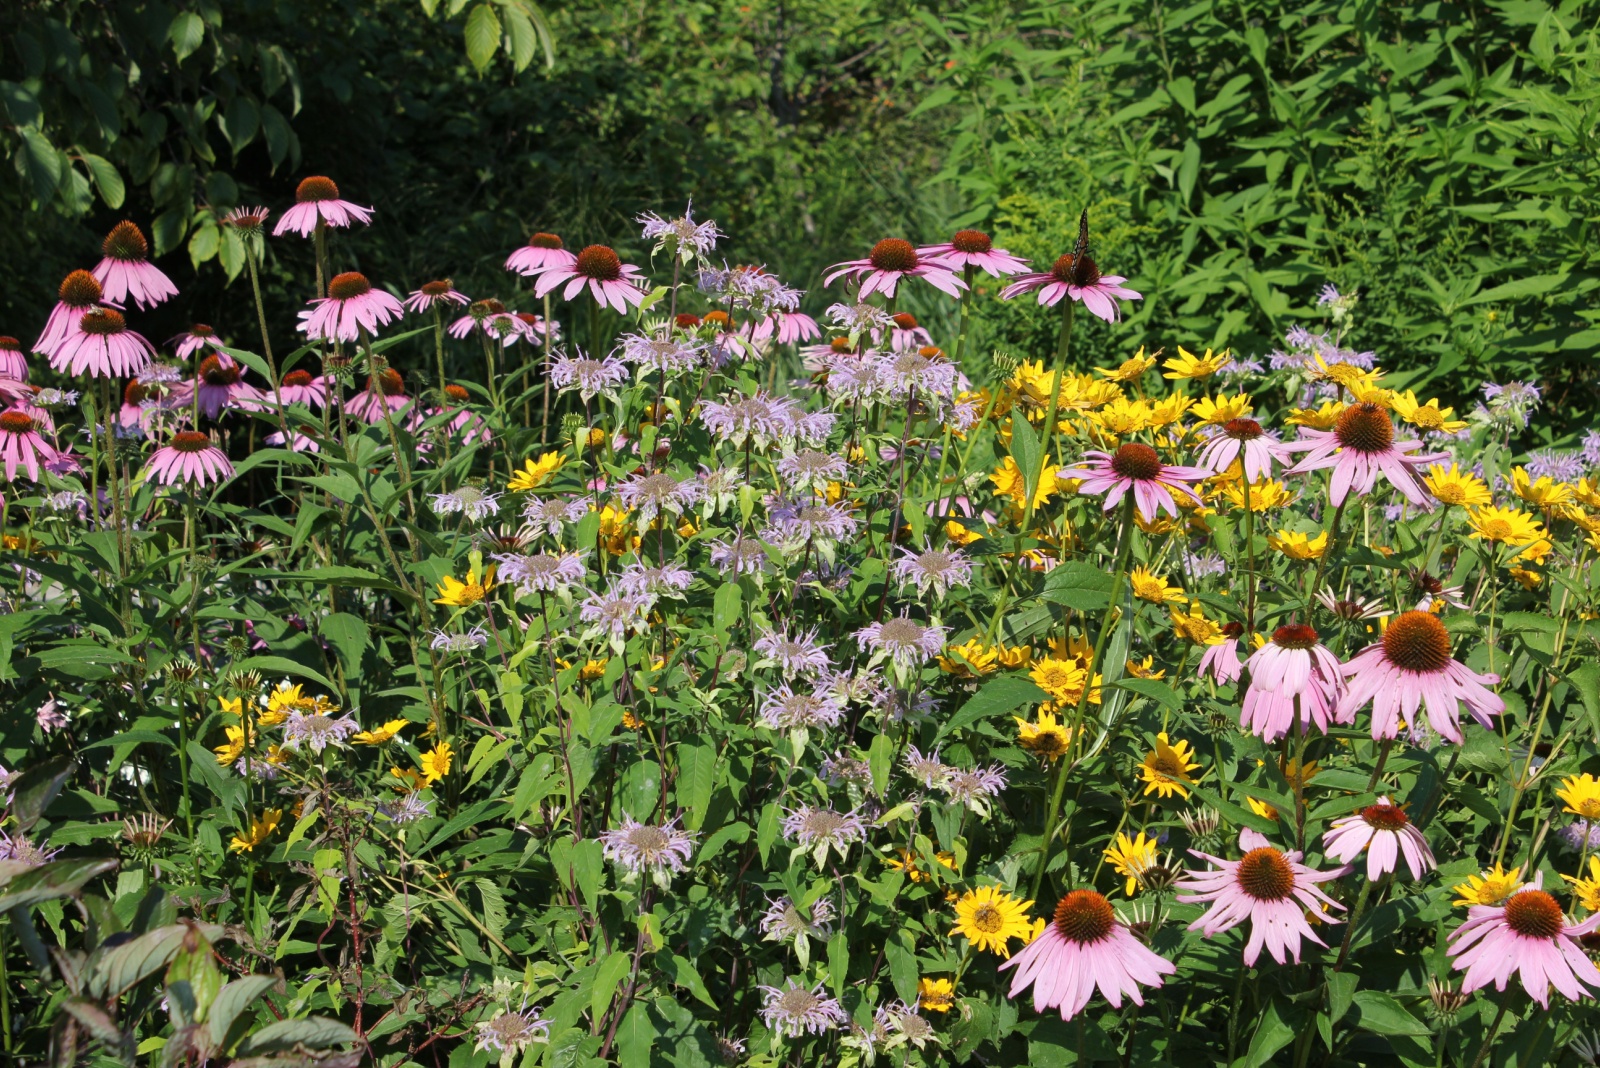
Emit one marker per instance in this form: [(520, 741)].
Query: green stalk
[(966, 314), (1047, 439)]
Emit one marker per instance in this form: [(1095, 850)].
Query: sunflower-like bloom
[(989, 918)]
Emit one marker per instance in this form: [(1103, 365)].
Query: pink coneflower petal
[(1359, 448), (1137, 467), (103, 347), (891, 260), (541, 253), (351, 307), (1526, 935), (126, 271), (21, 445), (1085, 948), (1411, 668), (317, 200), (1267, 887), (190, 458), (612, 283)]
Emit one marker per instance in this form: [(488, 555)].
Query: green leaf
[(880, 758), (231, 1001), (902, 957), (1159, 692), (725, 609), (683, 973), (349, 634), (635, 1036), (60, 878), (282, 665), (998, 696), (697, 778), (107, 181), (1341, 985), (1585, 678), (1080, 586), (37, 786), (186, 33), (1383, 1015), (838, 962), (313, 1032), (240, 122), (1271, 1034), (483, 36), (1025, 451), (611, 973), (120, 969)]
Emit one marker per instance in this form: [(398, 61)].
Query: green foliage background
[(1437, 157)]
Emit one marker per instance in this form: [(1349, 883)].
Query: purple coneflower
[(788, 327), (1085, 947), (317, 201), (641, 847), (1135, 467), (385, 393), (1386, 833), (1292, 676), (525, 326), (1361, 446), (1527, 934), (188, 457), (221, 384), (21, 445), (890, 261), (103, 347), (1243, 440), (302, 387), (439, 294), (13, 364), (196, 339), (126, 270), (974, 248), (1410, 669), (80, 293), (1269, 888), (542, 252), (1221, 660), (351, 307), (1076, 275), (489, 316), (612, 283)]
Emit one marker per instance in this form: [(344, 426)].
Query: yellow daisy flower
[(1145, 669), (1187, 365), (227, 754), (936, 995), (1454, 486), (989, 918), (231, 706), (1298, 546), (1493, 887), (1347, 375), (1322, 418), (1168, 410), (959, 534), (1587, 891), (1132, 858), (458, 594), (1582, 796), (407, 779), (968, 659), (1166, 769), (1545, 493), (1148, 586), (1507, 525), (1046, 738), (380, 735), (1428, 416), (1222, 408), (1009, 483), (617, 531), (260, 828), (1298, 778), (535, 473), (593, 669), (1261, 808), (1061, 679), (1195, 626), (1123, 416), (1587, 492), (436, 763), (1131, 369), (1265, 494)]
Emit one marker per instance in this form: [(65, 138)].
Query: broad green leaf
[(1381, 1014), (313, 1032), (635, 1035), (996, 697), (697, 778), (483, 35), (610, 974)]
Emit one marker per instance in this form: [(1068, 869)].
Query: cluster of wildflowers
[(884, 697)]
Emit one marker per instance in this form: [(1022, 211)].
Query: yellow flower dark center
[(987, 919)]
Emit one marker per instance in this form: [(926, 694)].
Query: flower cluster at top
[(1064, 683)]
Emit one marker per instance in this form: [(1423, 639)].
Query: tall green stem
[(1047, 439)]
